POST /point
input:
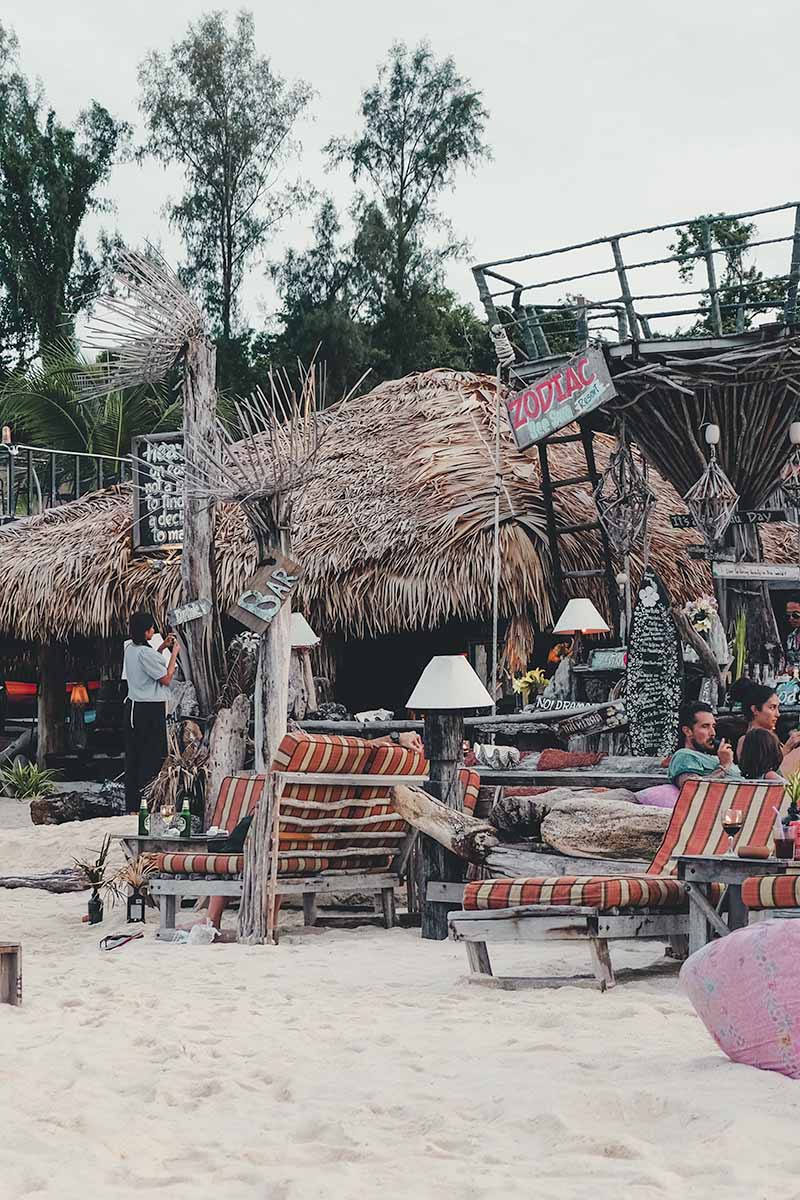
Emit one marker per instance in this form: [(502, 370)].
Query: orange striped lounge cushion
[(772, 891), (238, 797), (603, 892), (199, 864)]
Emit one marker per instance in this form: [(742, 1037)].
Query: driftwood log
[(71, 806), (24, 745), (605, 829), (67, 879), (521, 816), (227, 749), (458, 832)]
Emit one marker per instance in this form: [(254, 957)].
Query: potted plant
[(134, 875), (26, 781), (95, 872), (532, 681)]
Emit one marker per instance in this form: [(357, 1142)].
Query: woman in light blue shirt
[(146, 707)]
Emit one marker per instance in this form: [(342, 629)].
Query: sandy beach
[(353, 1064)]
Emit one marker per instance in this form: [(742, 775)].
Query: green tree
[(216, 108), (422, 123), (50, 177), (44, 408), (743, 291)]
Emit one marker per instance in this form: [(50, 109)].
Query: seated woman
[(761, 755), (761, 707)]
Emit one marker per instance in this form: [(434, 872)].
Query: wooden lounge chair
[(603, 908), (334, 831)]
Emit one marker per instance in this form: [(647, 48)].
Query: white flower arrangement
[(701, 613)]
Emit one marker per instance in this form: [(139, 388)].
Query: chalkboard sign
[(654, 676), (158, 470)]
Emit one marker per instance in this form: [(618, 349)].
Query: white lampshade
[(580, 616), (303, 636), (449, 682)]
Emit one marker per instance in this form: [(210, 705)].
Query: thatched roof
[(395, 532)]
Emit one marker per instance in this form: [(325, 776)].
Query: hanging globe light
[(623, 498), (712, 501)]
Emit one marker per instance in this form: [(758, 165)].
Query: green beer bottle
[(144, 819), (186, 817)]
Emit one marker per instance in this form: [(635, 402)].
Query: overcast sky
[(602, 117)]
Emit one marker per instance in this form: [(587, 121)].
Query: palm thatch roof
[(394, 531)]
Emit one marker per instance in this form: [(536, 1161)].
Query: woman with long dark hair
[(146, 707), (761, 756), (761, 707)]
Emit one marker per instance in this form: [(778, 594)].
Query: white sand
[(355, 1065)]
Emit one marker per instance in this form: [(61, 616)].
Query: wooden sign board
[(158, 470), (753, 516), (603, 719), (266, 592), (654, 674), (193, 610), (718, 554), (565, 394), (550, 704), (757, 572), (608, 658)]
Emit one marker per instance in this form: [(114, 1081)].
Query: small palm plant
[(95, 871), (792, 789), (26, 781)]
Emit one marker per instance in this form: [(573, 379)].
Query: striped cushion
[(472, 785), (591, 891), (340, 827), (199, 864), (696, 823), (772, 891), (238, 797)]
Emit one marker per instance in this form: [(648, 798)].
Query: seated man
[(234, 844), (699, 756)]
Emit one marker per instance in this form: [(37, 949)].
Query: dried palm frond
[(183, 773), (137, 872), (144, 322), (242, 660), (95, 870)]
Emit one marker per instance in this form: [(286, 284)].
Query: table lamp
[(580, 617)]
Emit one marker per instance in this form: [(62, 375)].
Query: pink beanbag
[(746, 990), (663, 795)]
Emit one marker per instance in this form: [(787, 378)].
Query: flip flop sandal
[(114, 940)]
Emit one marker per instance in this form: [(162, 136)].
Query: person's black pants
[(145, 747)]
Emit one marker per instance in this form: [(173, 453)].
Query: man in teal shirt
[(700, 757)]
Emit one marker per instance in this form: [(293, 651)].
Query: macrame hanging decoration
[(623, 498), (712, 501)]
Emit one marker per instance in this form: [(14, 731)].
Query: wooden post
[(444, 736), (203, 636), (52, 701)]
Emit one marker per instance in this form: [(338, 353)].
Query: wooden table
[(579, 777), (699, 871)]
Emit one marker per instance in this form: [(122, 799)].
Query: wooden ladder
[(556, 530)]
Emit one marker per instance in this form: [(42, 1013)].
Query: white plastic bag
[(202, 934)]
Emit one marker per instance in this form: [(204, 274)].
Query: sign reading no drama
[(569, 392)]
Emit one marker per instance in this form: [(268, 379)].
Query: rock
[(73, 806), (602, 828), (520, 816)]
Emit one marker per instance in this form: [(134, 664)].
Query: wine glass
[(732, 821)]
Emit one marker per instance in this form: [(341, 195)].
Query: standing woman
[(146, 707)]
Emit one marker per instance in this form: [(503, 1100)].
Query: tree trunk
[(202, 637), (272, 699), (52, 702), (444, 736), (67, 879), (227, 748)]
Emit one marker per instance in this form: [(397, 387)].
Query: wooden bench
[(10, 973)]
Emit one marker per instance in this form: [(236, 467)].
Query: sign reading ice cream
[(564, 395)]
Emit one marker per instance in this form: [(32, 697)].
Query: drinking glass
[(732, 821)]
